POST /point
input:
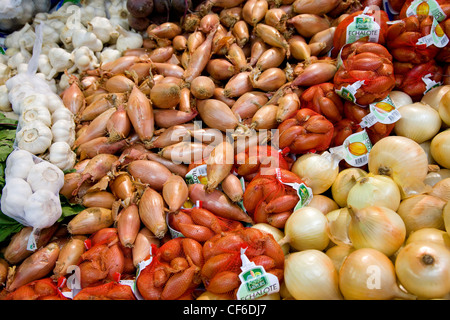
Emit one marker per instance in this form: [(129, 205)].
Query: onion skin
[(122, 186), (128, 225), (90, 220), (149, 172), (142, 245), (216, 114), (104, 199), (36, 266), (151, 212), (170, 117), (96, 128), (73, 99), (140, 113), (315, 73), (70, 254), (218, 203), (219, 164), (232, 187), (118, 125), (179, 169), (175, 192)]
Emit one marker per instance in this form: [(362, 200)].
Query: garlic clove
[(46, 176), (42, 209)]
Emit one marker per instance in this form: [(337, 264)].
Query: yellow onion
[(311, 275), (338, 254), (441, 189), (122, 186), (418, 121), (288, 105), (434, 176), (317, 171), (323, 203), (219, 164), (422, 268), (238, 84), (440, 148), (275, 232), (271, 58), (272, 36), (240, 31), (401, 98), (220, 69), (368, 274), (119, 83), (338, 222), (434, 96), (269, 80), (324, 36), (444, 108), (306, 228), (403, 160), (446, 217), (426, 146), (315, 7), (376, 227), (374, 190), (422, 211), (344, 181), (430, 234)]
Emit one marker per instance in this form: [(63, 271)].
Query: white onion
[(418, 121), (440, 148), (311, 275)]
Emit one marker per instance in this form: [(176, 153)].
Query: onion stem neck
[(386, 171)]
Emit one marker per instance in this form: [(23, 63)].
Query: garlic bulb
[(5, 104), (368, 274), (418, 121), (33, 99), (103, 29), (64, 131), (430, 234), (306, 228), (128, 39), (337, 226), (84, 58), (317, 171), (35, 112), (344, 181), (42, 209), (15, 191), (422, 211), (35, 137), (47, 176), (403, 160), (62, 114), (18, 164), (62, 156), (374, 190), (422, 267), (376, 227), (440, 148), (311, 275)]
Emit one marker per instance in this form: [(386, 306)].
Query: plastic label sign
[(255, 282), (383, 111)]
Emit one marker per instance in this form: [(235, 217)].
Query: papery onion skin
[(403, 160), (430, 234), (344, 181), (440, 148), (311, 275), (376, 227), (422, 268), (368, 274)]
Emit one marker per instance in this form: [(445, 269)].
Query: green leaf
[(8, 227), (69, 209)]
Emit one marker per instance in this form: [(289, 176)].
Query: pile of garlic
[(75, 38), (46, 127), (31, 192)]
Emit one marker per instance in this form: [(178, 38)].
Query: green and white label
[(426, 8), (348, 92), (383, 111), (255, 281), (197, 175), (355, 150), (305, 193), (437, 37), (363, 26), (429, 83)]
